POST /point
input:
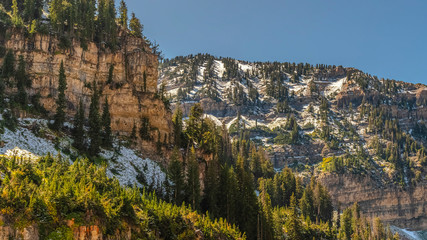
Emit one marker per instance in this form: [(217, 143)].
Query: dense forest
[(240, 196)]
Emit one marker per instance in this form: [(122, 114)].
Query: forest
[(240, 195)]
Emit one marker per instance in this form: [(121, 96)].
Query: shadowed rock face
[(131, 95), (403, 207)]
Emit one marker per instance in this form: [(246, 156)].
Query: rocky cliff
[(131, 93), (403, 207)]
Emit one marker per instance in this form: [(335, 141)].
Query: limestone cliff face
[(402, 207), (130, 94)]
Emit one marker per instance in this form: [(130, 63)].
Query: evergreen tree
[(192, 182), (59, 117), (78, 131), (8, 68), (22, 82), (16, 18), (94, 123), (178, 126), (144, 79), (293, 224), (110, 74), (123, 9), (210, 192), (176, 175), (194, 124), (135, 26), (227, 194), (133, 136), (107, 140), (144, 131)]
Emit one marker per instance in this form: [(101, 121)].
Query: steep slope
[(324, 120), (131, 91)]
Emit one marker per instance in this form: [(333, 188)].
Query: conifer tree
[(78, 131), (123, 14), (22, 82), (107, 140), (192, 191), (8, 68), (176, 175), (133, 136), (2, 90), (209, 201), (144, 79), (194, 123), (178, 125), (135, 26), (293, 224), (94, 123), (16, 18), (227, 193), (59, 117)]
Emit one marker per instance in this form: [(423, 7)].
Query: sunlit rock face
[(131, 93)]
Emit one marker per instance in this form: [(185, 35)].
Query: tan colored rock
[(129, 102), (402, 207)]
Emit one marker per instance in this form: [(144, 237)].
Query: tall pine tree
[(59, 117), (22, 83), (94, 123), (107, 140), (193, 183), (78, 131), (123, 9), (176, 175)]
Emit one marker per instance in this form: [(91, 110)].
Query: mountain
[(363, 137), (90, 149)]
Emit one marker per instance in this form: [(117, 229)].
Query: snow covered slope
[(32, 138)]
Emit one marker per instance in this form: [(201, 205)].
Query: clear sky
[(387, 38)]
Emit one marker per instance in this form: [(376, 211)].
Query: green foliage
[(123, 10), (194, 124), (49, 192), (144, 131), (59, 117), (95, 123), (176, 175), (22, 82), (107, 138), (135, 26), (192, 190), (78, 131)]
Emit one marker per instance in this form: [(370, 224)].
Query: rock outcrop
[(403, 207), (131, 93)]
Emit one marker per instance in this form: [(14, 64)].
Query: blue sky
[(387, 38)]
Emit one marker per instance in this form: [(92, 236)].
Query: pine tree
[(94, 123), (110, 74), (194, 123), (22, 82), (16, 18), (123, 14), (144, 79), (176, 175), (2, 90), (59, 117), (107, 140), (8, 68), (293, 224), (144, 131), (209, 201), (133, 136), (78, 131), (192, 191), (178, 126), (135, 26)]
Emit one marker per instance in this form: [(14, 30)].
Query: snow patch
[(130, 169)]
